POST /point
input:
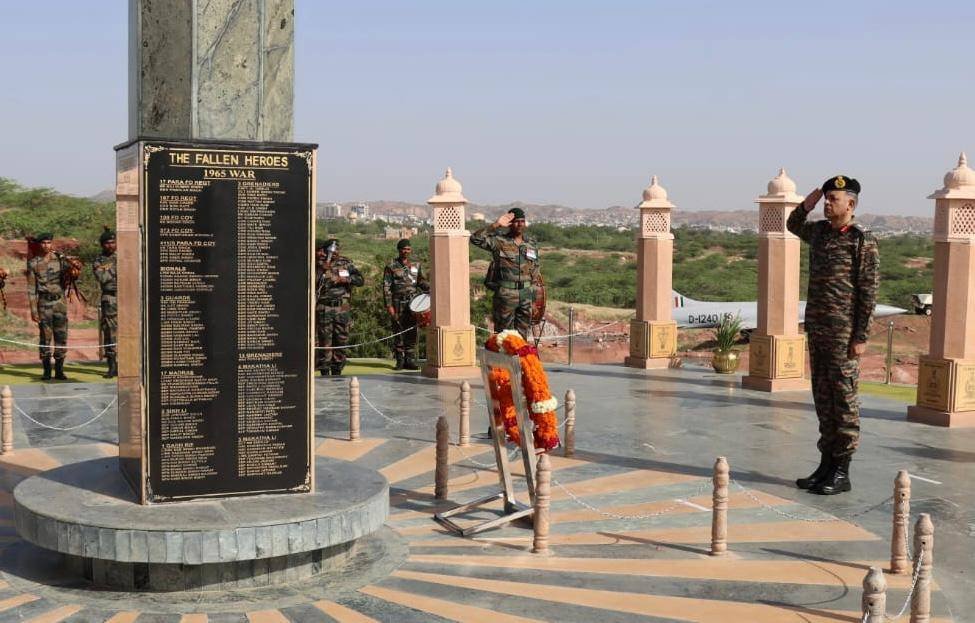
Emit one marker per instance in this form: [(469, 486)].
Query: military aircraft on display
[(691, 314)]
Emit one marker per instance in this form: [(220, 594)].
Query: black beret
[(41, 237), (842, 182), (107, 235), (518, 212), (404, 243)]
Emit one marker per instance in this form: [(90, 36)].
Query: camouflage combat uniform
[(401, 282), (49, 304), (843, 278), (333, 308), (513, 274), (105, 274)]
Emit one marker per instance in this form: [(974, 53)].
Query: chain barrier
[(79, 347), (754, 498), (469, 459), (910, 594), (65, 428), (702, 486)]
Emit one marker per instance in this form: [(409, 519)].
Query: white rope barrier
[(703, 485), (382, 339), (73, 347), (66, 428), (568, 335), (754, 498)]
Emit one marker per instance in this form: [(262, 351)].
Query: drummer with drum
[(405, 289), (514, 274)]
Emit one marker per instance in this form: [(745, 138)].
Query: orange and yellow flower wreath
[(541, 404)]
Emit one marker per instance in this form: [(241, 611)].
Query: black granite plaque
[(228, 338)]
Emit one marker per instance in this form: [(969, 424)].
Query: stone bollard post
[(899, 563), (464, 434), (569, 443), (924, 549), (719, 508), (543, 500), (6, 420), (354, 409), (874, 603), (442, 473)]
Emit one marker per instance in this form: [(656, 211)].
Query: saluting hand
[(809, 203), (504, 220)]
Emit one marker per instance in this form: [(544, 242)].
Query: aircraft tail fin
[(680, 300)]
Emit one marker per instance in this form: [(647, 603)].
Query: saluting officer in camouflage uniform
[(105, 275), (335, 276), (514, 272), (402, 280), (843, 279), (49, 305)]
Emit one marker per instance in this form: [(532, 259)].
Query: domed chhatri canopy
[(448, 190), (781, 188), (959, 182), (655, 196)]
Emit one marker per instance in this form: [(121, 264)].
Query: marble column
[(450, 337), (221, 69), (946, 375), (653, 334), (777, 349)]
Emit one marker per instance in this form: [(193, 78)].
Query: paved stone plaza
[(646, 441)]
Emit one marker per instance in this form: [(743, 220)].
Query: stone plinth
[(777, 358), (88, 512), (653, 334), (946, 376), (219, 69), (450, 337)]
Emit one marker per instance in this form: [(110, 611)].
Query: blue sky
[(557, 102)]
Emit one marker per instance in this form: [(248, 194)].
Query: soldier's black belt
[(109, 291), (47, 296)]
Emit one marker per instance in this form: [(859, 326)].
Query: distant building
[(395, 233), (360, 210), (478, 216), (329, 210)]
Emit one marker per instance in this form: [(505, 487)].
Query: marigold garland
[(535, 386)]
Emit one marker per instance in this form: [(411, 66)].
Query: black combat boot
[(323, 371), (817, 476), (837, 480), (112, 367), (399, 362), (337, 368), (46, 362), (59, 370), (410, 363)]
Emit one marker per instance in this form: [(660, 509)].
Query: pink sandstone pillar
[(776, 360), (653, 334), (946, 375), (450, 337)]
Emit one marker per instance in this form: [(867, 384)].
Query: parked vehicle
[(922, 303)]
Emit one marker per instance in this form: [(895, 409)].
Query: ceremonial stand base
[(647, 363), (949, 419), (762, 384), (458, 372)]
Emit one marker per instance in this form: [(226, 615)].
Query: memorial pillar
[(946, 375), (777, 349), (653, 334), (450, 337)]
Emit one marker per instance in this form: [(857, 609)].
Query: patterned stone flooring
[(634, 457)]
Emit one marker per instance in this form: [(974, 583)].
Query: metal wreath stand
[(513, 509)]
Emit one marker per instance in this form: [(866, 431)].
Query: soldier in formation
[(47, 275), (843, 279), (403, 279), (105, 275), (514, 274), (335, 276)]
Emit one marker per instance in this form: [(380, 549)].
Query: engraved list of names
[(228, 342)]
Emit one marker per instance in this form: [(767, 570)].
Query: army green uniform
[(49, 304), (105, 275), (513, 274), (843, 278), (401, 282), (333, 312)]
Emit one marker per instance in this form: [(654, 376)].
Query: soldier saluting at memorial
[(514, 274), (48, 273), (843, 279), (335, 276), (402, 280), (105, 274)]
